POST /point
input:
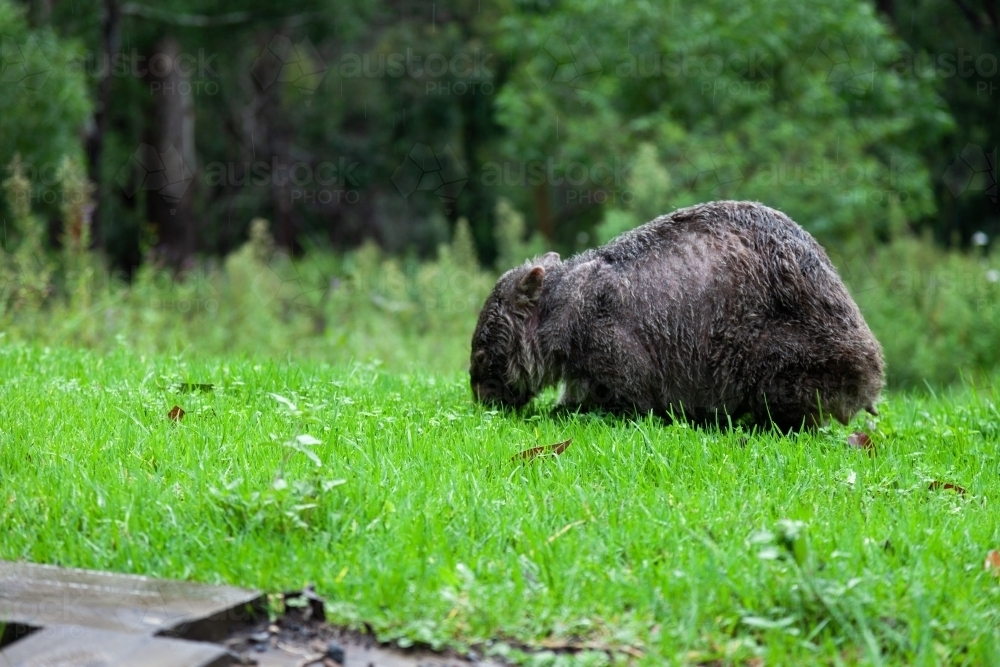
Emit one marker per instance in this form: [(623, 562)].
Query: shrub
[(936, 312)]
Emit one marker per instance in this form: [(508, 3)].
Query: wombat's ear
[(549, 259), (530, 286)]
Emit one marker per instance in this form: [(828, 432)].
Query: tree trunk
[(102, 110), (543, 212), (169, 199)]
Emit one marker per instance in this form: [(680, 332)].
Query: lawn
[(400, 500)]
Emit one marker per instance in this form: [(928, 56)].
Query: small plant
[(77, 208), (27, 271), (510, 231)]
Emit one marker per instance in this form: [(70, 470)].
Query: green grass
[(691, 545)]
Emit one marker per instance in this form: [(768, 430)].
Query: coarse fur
[(722, 310)]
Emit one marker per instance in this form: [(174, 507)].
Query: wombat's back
[(738, 309), (758, 227)]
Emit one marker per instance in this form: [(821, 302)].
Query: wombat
[(722, 311)]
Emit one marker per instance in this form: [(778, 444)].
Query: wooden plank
[(43, 595), (76, 646)]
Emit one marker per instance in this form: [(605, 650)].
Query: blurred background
[(345, 179)]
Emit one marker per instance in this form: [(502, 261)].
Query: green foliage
[(463, 248), (44, 104), (805, 114), (509, 231), (79, 264), (261, 302), (25, 273), (651, 192), (936, 313)]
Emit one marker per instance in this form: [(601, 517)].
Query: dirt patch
[(297, 642)]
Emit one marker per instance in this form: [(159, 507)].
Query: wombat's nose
[(491, 393), (481, 392)]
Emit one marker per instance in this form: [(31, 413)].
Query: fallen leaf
[(176, 413), (992, 563), (554, 449), (861, 440), (947, 486)]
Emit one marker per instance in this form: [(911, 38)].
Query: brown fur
[(726, 308)]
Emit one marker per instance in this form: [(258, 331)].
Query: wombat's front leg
[(588, 396), (574, 396)]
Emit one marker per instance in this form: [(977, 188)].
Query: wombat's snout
[(494, 393)]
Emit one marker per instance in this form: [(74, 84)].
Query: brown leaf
[(861, 440), (176, 413), (947, 486), (992, 563), (554, 449)]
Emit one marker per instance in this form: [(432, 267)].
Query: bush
[(936, 312), (359, 305), (44, 105)]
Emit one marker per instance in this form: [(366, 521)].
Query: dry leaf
[(947, 486), (992, 563), (554, 449), (861, 440), (176, 413)]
